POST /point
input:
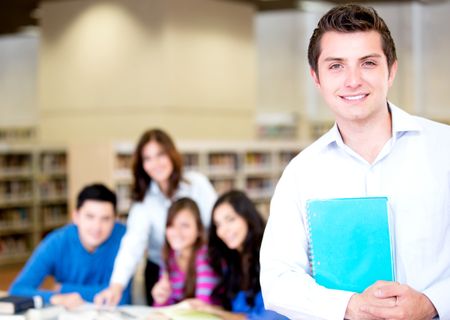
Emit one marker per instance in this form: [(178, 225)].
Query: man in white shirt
[(374, 149)]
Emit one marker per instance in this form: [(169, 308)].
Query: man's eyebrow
[(333, 59), (372, 55)]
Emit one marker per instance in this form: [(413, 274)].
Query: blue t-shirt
[(257, 312), (62, 256)]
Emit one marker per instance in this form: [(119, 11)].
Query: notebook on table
[(350, 242)]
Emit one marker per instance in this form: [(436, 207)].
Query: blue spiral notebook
[(350, 242)]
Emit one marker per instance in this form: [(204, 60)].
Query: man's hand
[(67, 300), (162, 290), (110, 296), (368, 298), (410, 304)]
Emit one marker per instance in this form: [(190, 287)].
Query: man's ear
[(74, 216), (392, 73), (315, 77)]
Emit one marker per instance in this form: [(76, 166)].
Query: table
[(180, 311)]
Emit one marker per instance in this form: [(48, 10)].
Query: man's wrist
[(351, 311), (429, 307)]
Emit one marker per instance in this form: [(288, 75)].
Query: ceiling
[(15, 14)]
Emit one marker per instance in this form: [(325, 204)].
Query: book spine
[(23, 305)]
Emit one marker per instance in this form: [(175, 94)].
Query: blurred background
[(77, 70), (80, 80)]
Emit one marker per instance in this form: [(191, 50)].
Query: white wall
[(112, 68), (421, 36), (109, 69), (435, 72), (18, 71)]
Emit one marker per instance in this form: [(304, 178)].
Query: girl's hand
[(200, 305), (162, 290), (195, 303)]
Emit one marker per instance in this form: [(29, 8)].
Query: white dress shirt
[(146, 223), (412, 170)]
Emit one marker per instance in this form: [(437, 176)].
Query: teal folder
[(350, 243)]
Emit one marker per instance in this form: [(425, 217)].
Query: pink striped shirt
[(205, 282)]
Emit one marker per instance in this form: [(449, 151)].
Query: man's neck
[(367, 138), (88, 248)]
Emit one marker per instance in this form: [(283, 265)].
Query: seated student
[(186, 272), (235, 238), (80, 256)]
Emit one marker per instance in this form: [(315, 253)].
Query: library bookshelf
[(251, 166), (33, 197)]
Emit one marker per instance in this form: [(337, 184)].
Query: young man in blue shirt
[(79, 256)]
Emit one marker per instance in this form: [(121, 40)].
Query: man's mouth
[(355, 97)]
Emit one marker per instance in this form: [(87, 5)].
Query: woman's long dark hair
[(191, 273), (238, 271), (141, 179)]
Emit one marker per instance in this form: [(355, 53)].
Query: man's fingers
[(392, 289), (383, 312), (385, 302)]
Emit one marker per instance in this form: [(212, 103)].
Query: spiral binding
[(310, 243)]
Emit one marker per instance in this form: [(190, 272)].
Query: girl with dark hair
[(235, 238), (186, 272), (159, 180)]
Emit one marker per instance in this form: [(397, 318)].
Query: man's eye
[(335, 66), (369, 64)]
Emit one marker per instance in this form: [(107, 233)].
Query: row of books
[(13, 245), (22, 163), (14, 217)]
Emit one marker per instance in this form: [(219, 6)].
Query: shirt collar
[(401, 122), (154, 188), (182, 188)]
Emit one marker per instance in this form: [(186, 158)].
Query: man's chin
[(95, 243)]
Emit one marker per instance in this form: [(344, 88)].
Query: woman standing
[(158, 181), (235, 239)]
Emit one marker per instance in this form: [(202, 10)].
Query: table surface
[(88, 311)]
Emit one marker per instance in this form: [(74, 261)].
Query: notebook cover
[(350, 242)]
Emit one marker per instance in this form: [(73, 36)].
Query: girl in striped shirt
[(186, 272)]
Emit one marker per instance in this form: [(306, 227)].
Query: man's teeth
[(355, 97)]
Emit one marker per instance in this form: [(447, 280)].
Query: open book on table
[(180, 311)]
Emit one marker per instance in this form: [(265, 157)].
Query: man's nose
[(353, 77)]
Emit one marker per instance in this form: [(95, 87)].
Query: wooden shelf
[(33, 182), (250, 166)]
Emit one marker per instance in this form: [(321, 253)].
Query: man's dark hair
[(351, 18), (98, 192)]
